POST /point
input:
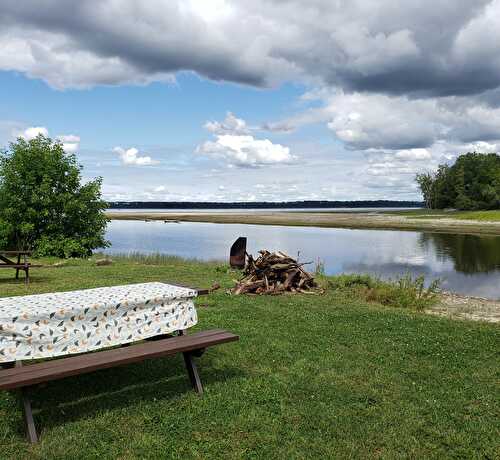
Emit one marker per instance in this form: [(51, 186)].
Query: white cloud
[(364, 121), (246, 151), (406, 129), (34, 131), (132, 156), (401, 89), (414, 154), (71, 143), (159, 189), (232, 145), (230, 125)]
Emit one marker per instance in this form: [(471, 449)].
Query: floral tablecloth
[(48, 325)]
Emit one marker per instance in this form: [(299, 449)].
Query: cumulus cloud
[(429, 47), (70, 142), (246, 151), (232, 145), (412, 129), (34, 131), (364, 121), (414, 154), (132, 157), (230, 125), (400, 88)]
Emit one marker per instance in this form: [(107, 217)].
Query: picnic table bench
[(176, 312), (6, 262)]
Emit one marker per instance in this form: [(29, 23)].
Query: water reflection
[(466, 264), (470, 254)]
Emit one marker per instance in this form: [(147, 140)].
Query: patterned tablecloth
[(48, 325)]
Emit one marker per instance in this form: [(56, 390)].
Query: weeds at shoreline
[(404, 292)]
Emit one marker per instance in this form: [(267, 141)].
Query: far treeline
[(472, 183), (319, 204)]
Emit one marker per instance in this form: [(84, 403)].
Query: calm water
[(466, 264)]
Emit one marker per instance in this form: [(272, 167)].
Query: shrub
[(404, 292), (43, 204)]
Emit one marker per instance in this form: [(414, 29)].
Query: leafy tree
[(473, 182), (426, 183), (43, 204)]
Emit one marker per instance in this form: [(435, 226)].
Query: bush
[(44, 207), (404, 292)]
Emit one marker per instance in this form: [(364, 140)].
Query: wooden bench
[(23, 377)]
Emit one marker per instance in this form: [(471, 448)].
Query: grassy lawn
[(481, 216), (326, 376)]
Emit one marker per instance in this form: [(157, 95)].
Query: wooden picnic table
[(89, 330), (24, 265)]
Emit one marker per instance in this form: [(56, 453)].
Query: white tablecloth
[(48, 325)]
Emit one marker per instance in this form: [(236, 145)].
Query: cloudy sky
[(225, 100)]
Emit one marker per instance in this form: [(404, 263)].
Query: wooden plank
[(199, 291), (75, 365), (15, 253), (101, 360), (60, 361)]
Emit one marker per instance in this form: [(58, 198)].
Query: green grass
[(481, 216), (405, 291), (329, 376)]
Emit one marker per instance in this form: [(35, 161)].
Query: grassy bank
[(487, 223), (478, 216), (329, 376)]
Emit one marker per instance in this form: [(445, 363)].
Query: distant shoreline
[(302, 205), (354, 220)]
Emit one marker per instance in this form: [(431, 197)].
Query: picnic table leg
[(28, 413), (193, 372), (26, 270), (17, 269)]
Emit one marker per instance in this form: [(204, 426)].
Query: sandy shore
[(358, 220), (466, 307)]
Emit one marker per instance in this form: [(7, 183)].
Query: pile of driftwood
[(273, 273)]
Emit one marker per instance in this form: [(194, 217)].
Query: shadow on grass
[(75, 398), (33, 280)]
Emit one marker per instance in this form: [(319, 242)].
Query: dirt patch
[(469, 308)]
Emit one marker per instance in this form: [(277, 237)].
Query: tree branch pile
[(273, 273)]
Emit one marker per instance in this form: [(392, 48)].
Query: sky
[(268, 100)]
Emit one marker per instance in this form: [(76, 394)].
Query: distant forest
[(263, 204)]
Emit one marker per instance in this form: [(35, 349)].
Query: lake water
[(466, 264)]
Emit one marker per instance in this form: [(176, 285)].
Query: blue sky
[(224, 100), (155, 114)]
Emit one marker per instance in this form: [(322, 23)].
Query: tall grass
[(155, 258), (404, 292)]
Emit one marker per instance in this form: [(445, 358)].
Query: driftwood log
[(273, 273)]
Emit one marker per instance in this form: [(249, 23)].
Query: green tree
[(473, 182), (43, 204), (426, 183)]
